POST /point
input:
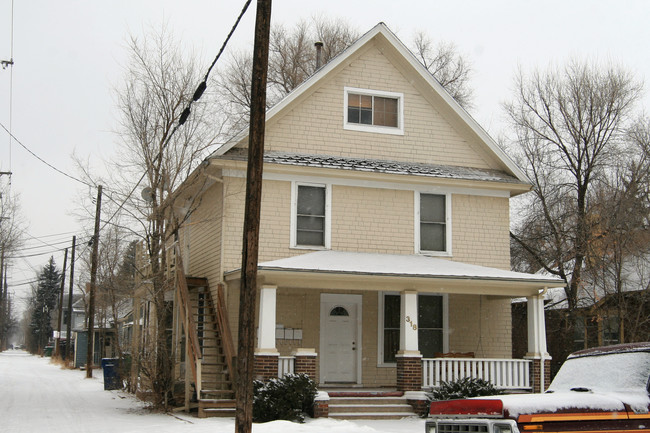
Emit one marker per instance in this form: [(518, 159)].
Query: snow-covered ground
[(37, 396)]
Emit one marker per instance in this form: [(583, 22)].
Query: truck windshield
[(612, 372)]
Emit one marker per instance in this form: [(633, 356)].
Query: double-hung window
[(432, 224), (374, 111), (310, 216), (431, 326)]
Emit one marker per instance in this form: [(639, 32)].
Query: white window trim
[(294, 216), (399, 130), (380, 325), (448, 231)]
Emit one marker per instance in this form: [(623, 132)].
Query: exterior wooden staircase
[(209, 347)]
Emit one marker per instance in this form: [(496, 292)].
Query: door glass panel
[(339, 311)]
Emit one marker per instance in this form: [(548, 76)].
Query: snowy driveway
[(36, 396)]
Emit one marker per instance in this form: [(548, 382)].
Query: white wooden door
[(340, 338)]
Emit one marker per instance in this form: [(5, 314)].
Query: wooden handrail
[(224, 330), (185, 310)]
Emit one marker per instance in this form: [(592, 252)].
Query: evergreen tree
[(44, 305)]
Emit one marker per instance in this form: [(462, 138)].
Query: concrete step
[(383, 408), (369, 401), (370, 415), (366, 406)]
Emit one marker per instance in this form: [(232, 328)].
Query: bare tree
[(570, 126), (160, 81), (292, 59), (449, 67), (11, 234), (619, 259)]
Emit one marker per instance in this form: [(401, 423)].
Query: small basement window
[(373, 111)]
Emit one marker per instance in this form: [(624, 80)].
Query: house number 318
[(410, 322)]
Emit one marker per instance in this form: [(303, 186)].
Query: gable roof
[(382, 32)]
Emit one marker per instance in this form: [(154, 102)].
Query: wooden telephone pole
[(68, 333), (93, 281), (57, 341), (248, 286)]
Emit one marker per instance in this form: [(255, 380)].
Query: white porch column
[(266, 330), (536, 328), (537, 344), (408, 327)]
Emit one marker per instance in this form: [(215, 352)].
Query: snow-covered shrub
[(463, 388), (289, 398)]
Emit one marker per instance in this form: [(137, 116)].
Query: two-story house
[(384, 240)]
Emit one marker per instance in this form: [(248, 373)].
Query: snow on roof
[(397, 265), (377, 166)]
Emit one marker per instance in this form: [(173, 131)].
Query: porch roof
[(368, 271)]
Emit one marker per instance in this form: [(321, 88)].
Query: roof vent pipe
[(319, 54)]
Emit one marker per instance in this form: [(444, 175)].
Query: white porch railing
[(285, 365), (502, 373)]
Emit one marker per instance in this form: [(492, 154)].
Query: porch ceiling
[(369, 271)]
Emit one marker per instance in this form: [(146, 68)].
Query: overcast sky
[(69, 58)]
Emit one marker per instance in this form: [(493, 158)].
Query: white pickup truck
[(603, 389)]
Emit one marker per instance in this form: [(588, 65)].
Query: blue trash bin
[(112, 379)]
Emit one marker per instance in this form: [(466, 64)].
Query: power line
[(186, 112), (53, 245), (10, 64), (35, 254), (42, 160), (52, 235), (204, 84)]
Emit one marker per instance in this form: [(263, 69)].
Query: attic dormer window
[(373, 111)]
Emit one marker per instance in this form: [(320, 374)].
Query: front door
[(340, 338)]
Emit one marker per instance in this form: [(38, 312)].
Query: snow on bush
[(289, 398), (463, 388)]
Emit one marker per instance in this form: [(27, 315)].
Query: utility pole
[(3, 318), (248, 287), (5, 310), (93, 281), (69, 327), (57, 341)]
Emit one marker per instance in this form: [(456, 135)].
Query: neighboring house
[(77, 323), (104, 336), (604, 315), (384, 239)]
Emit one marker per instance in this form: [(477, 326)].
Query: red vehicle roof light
[(467, 407)]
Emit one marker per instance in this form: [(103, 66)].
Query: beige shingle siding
[(372, 220), (204, 233), (315, 125), (487, 337), (481, 230)]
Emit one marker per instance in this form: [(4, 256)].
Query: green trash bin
[(48, 350)]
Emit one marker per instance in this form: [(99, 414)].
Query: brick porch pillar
[(266, 366), (537, 372), (409, 371), (305, 362)]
